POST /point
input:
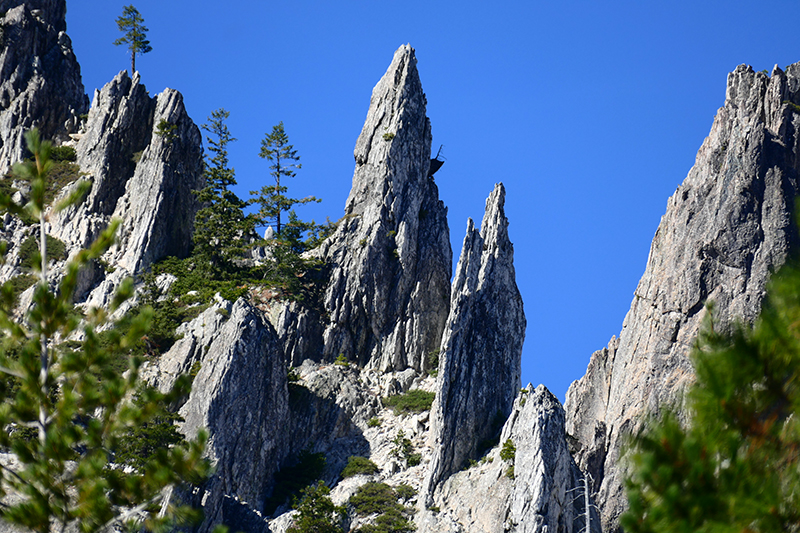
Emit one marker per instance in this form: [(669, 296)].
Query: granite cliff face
[(727, 227), (483, 337), (390, 258), (139, 176), (40, 79)]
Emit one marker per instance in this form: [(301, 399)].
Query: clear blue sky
[(590, 112)]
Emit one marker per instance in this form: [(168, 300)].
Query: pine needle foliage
[(316, 513), (284, 160), (221, 227), (131, 24), (64, 411), (736, 465)]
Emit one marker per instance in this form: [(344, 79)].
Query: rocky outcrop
[(483, 337), (40, 79), (544, 493), (240, 397), (390, 257), (143, 156), (726, 228)]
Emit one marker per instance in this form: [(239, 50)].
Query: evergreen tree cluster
[(226, 241)]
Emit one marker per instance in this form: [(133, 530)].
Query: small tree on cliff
[(221, 225), (74, 403), (272, 199), (131, 24), (736, 465)]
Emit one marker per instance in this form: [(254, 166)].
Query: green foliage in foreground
[(358, 465), (415, 401), (76, 403), (736, 465)]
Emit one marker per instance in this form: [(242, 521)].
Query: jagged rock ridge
[(726, 228), (483, 337), (390, 258), (40, 79), (545, 493)]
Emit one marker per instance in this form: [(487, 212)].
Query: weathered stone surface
[(142, 177), (546, 493), (40, 79), (390, 258), (240, 397), (726, 228), (481, 346)]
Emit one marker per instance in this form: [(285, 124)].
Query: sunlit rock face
[(40, 79), (727, 227), (390, 258), (481, 346)]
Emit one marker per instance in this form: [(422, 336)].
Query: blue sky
[(590, 113)]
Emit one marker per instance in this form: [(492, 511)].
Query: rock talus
[(482, 339), (40, 79), (390, 258), (725, 229)]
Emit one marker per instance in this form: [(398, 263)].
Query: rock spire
[(726, 228), (483, 337), (40, 79), (390, 258)]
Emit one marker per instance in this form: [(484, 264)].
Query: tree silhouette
[(131, 24)]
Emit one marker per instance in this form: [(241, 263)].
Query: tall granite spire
[(390, 259)]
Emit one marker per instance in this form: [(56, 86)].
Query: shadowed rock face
[(481, 346), (390, 258), (726, 228), (40, 79)]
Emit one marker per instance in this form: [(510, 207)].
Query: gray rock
[(483, 337), (546, 493), (139, 176), (390, 257), (40, 79), (726, 228), (240, 397)]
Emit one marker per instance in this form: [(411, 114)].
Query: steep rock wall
[(726, 228), (40, 79), (390, 258), (142, 177), (481, 346)]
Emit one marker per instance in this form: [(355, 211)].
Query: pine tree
[(221, 227), (316, 513), (735, 466), (272, 199), (131, 24), (65, 409)]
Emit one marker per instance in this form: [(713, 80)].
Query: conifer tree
[(272, 199), (316, 513), (73, 401), (735, 466), (131, 24), (221, 226)]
